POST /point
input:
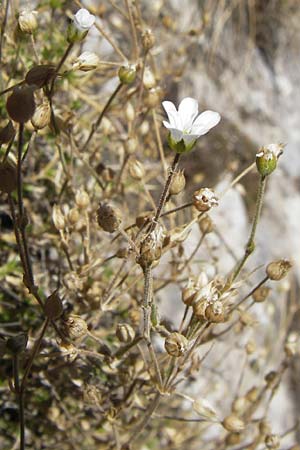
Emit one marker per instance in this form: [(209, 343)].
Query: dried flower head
[(75, 327), (28, 21), (233, 424), (186, 125), (151, 247), (178, 183), (86, 62), (125, 333), (204, 199), (277, 270), (42, 115), (108, 218), (176, 344)]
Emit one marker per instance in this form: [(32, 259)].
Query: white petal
[(172, 113), (176, 134), (167, 124), (204, 122), (188, 110)]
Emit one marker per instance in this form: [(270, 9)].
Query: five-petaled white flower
[(83, 20), (185, 125)]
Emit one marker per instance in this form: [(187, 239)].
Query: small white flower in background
[(186, 125), (80, 26), (86, 61), (83, 20)]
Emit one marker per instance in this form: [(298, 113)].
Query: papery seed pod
[(206, 225), (260, 294), (153, 97), (277, 270), (148, 39), (252, 394), (136, 169), (7, 133), (8, 177), (188, 294), (264, 427), (127, 74), (233, 439), (272, 441), (42, 116), (125, 333), (86, 62), (28, 21), (267, 157), (149, 81), (17, 344), (204, 409), (130, 112), (204, 199), (176, 344), (178, 183), (38, 76), (53, 307), (233, 424), (215, 312), (151, 247), (73, 216), (199, 308), (82, 199), (58, 218), (75, 327), (131, 145), (108, 218), (239, 405), (20, 104)]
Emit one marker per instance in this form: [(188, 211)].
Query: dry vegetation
[(94, 221)]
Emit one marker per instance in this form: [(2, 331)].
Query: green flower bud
[(127, 74), (266, 159)]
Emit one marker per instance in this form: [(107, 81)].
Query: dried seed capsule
[(233, 424), (8, 177), (233, 439), (215, 312), (127, 74), (131, 145), (7, 133), (206, 225), (136, 169), (20, 104), (149, 79), (204, 199), (252, 394), (260, 294), (82, 199), (204, 409), (27, 21), (277, 270), (153, 97), (199, 308), (58, 218), (148, 39), (86, 62), (125, 333), (188, 294), (53, 307), (176, 344), (108, 218), (73, 216), (272, 441), (151, 247), (239, 405), (178, 183), (40, 75), (75, 327), (42, 116)]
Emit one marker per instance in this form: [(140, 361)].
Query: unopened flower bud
[(178, 183), (28, 21), (80, 26), (38, 76), (82, 199), (272, 441), (8, 176), (108, 218), (125, 333), (176, 344), (136, 169), (127, 74), (204, 409), (252, 394), (239, 405), (233, 424), (215, 312), (75, 327), (277, 270), (58, 218), (206, 225), (20, 104), (42, 116), (131, 145), (149, 80), (130, 112), (204, 199), (7, 133), (86, 61), (73, 216), (260, 294), (148, 39), (267, 157)]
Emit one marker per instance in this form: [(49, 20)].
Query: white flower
[(83, 20), (185, 124)]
